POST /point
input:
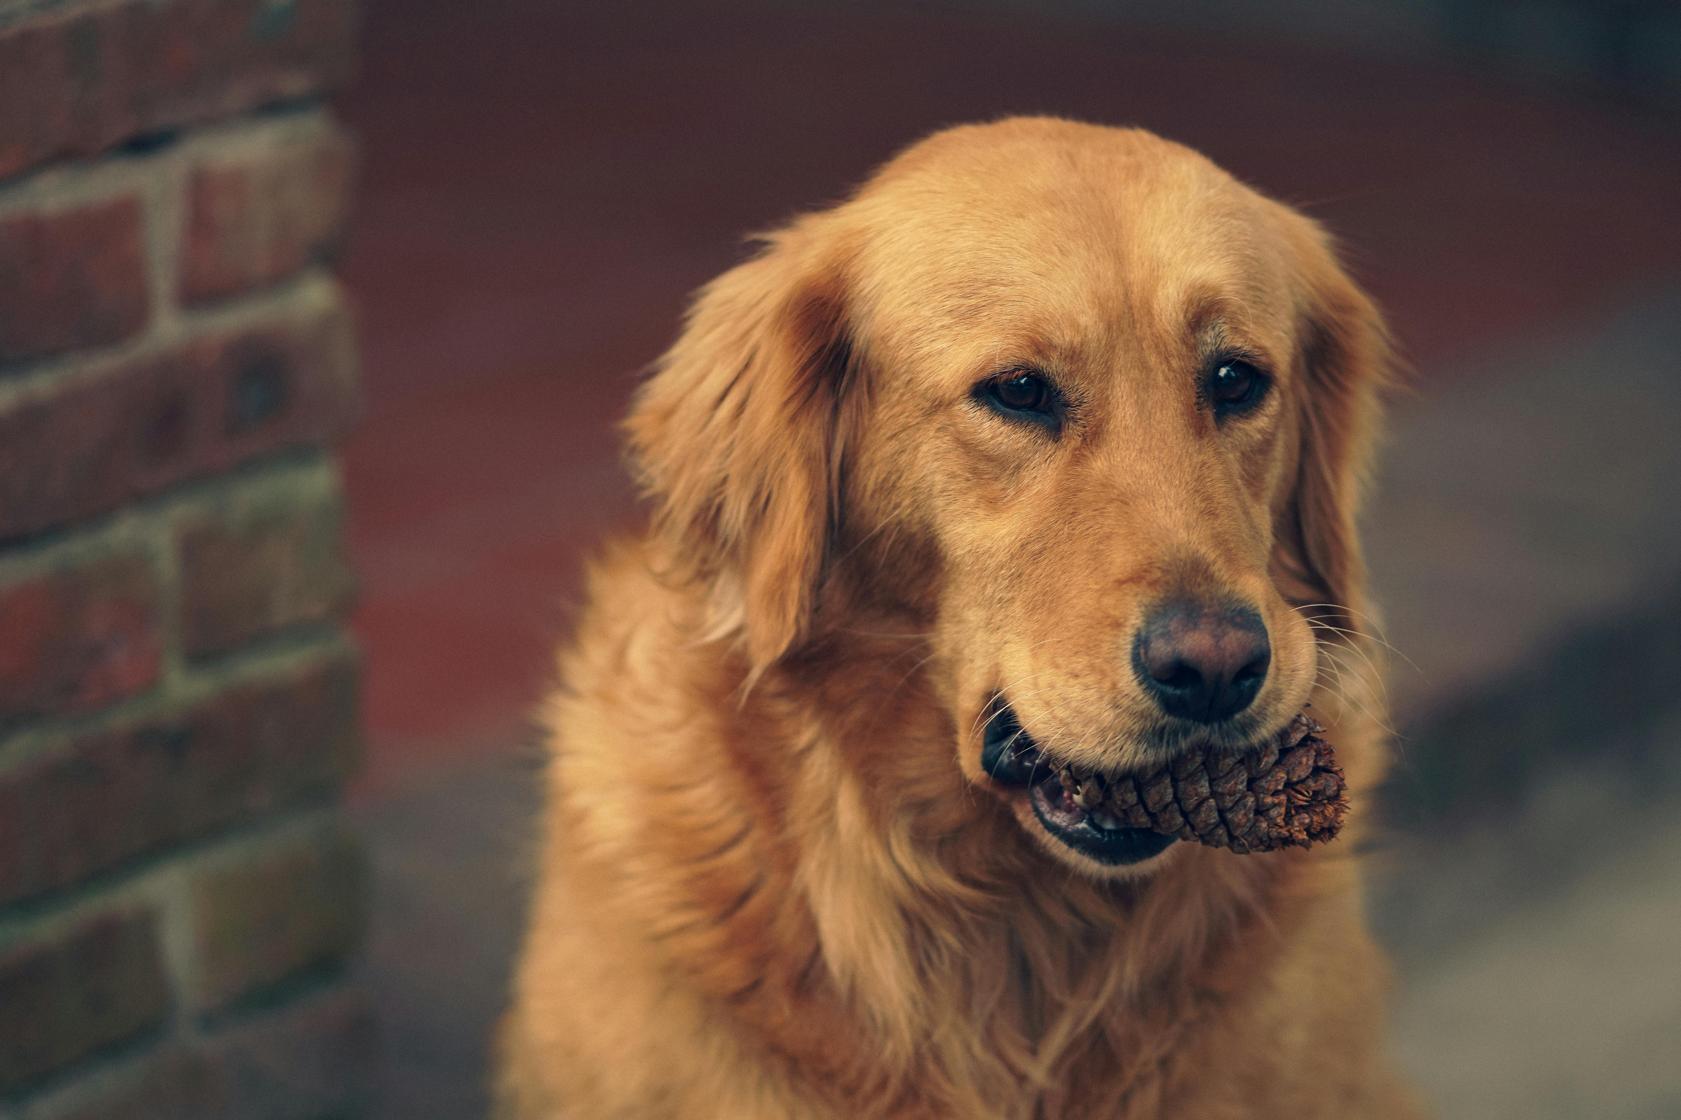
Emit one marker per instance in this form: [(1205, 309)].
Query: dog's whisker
[(1329, 676), (1358, 705), (1349, 700), (1352, 647), (1372, 674), (1375, 633), (1342, 608), (1338, 641)]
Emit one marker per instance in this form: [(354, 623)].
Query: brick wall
[(179, 900)]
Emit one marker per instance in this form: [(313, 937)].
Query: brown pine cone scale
[(1288, 793)]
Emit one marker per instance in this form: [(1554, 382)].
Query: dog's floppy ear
[(1344, 357), (736, 438)]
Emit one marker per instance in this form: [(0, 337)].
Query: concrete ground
[(449, 889), (543, 186), (1526, 546), (1549, 989)]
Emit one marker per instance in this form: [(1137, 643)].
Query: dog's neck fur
[(917, 949)]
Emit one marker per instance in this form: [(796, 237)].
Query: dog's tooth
[(1089, 795), (1107, 821)]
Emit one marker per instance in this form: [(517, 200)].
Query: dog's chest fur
[(736, 866)]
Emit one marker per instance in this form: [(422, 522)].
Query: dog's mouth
[(1013, 760)]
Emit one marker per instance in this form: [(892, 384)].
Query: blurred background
[(246, 871)]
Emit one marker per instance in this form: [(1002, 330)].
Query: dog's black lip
[(1011, 757), (1115, 847)]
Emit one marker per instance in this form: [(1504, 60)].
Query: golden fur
[(774, 881)]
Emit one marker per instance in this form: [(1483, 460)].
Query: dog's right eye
[(1022, 395)]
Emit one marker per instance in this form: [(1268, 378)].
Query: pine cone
[(1289, 793)]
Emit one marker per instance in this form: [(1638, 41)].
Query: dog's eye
[(1234, 387), (1025, 392), (1022, 394)]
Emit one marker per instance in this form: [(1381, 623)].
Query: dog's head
[(1069, 401)]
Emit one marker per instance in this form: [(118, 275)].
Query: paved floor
[(1542, 983), (449, 888), (1526, 546)]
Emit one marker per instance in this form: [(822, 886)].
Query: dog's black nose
[(1202, 662)]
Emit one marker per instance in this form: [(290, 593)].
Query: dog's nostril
[(1256, 670), (1202, 663), (1180, 675)]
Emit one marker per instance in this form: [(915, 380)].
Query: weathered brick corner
[(180, 901)]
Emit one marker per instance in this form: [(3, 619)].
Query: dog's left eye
[(1022, 394), (1234, 387)]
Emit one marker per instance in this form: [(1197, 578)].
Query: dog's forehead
[(1071, 233)]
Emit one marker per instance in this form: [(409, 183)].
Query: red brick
[(63, 999), (71, 278), (106, 797), (78, 636), (254, 569), (80, 81), (94, 443), (289, 909), (258, 215)]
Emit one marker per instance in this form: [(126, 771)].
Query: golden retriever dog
[(1052, 428)]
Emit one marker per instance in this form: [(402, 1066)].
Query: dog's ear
[(1345, 361), (736, 438)]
